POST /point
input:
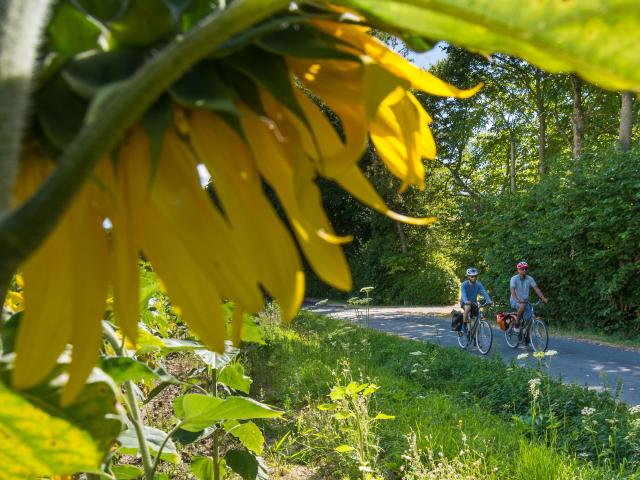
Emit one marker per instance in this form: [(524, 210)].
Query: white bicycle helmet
[(472, 272)]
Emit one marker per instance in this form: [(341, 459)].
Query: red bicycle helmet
[(522, 265)]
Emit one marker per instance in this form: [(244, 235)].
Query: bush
[(580, 233)]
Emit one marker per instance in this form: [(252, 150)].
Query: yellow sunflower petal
[(237, 182), (192, 290), (395, 132), (45, 326), (192, 217), (298, 194), (395, 63), (237, 324), (89, 279)]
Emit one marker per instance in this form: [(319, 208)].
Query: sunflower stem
[(21, 24), (132, 404), (24, 229)]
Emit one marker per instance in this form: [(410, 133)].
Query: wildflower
[(551, 353), (587, 411), (635, 410), (417, 353), (538, 355), (523, 356), (238, 248), (534, 385)]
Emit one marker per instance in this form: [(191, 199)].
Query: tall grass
[(457, 408)]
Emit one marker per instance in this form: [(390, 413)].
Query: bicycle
[(480, 333), (532, 330)]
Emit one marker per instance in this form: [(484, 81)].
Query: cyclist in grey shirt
[(520, 285)]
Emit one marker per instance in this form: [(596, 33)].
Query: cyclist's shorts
[(528, 310), (474, 309)]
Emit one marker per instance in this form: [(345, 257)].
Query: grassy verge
[(456, 416)]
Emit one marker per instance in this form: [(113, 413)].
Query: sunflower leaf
[(596, 39)]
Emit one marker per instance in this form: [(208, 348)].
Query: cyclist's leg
[(466, 317), (519, 308)]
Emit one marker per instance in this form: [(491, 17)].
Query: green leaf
[(251, 332), (270, 72), (36, 443), (306, 42), (218, 360), (384, 416), (154, 438), (143, 23), (203, 87), (248, 466), (592, 38), (170, 345), (73, 32), (202, 467), (344, 448), (327, 407), (127, 472), (46, 438), (233, 377), (248, 433), (201, 411), (91, 71), (122, 369), (60, 112), (185, 437)]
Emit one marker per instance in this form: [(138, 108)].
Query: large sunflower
[(238, 247)]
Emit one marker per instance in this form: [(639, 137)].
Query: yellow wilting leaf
[(265, 240)]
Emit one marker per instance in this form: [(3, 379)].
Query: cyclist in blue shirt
[(469, 291), (520, 285)]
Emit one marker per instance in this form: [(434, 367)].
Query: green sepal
[(144, 23), (195, 11), (304, 41), (155, 122), (104, 10), (71, 31), (270, 72), (59, 111), (245, 90), (90, 71), (203, 87)]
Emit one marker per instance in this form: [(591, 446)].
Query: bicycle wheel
[(484, 337), (463, 339), (539, 337), (512, 338)]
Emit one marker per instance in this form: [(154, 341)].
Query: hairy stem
[(21, 24), (132, 403), (24, 229)]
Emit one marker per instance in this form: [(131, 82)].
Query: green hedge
[(580, 233)]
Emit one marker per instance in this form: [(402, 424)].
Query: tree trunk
[(512, 169), (577, 117), (403, 238), (542, 128), (626, 111)]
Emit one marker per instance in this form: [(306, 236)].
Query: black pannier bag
[(456, 320)]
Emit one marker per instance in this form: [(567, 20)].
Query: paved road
[(586, 363)]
